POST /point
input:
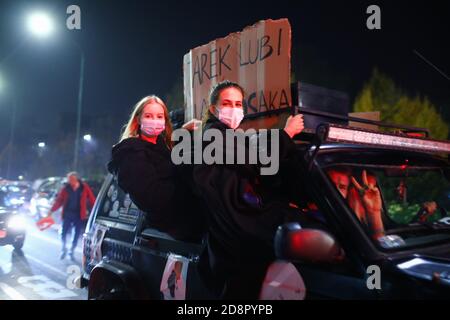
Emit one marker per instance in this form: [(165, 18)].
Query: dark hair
[(217, 89), (215, 93)]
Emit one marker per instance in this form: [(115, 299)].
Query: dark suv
[(343, 260)]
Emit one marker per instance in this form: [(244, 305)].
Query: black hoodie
[(158, 187), (245, 210)]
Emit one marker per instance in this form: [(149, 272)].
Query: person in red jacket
[(74, 198)]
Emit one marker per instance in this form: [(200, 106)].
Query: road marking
[(50, 240), (46, 265), (11, 292), (46, 288)]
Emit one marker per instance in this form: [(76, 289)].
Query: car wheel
[(108, 288)]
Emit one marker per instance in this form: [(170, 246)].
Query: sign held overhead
[(257, 58)]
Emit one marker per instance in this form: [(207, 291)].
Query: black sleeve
[(138, 177), (222, 187)]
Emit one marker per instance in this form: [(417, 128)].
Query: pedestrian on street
[(74, 198)]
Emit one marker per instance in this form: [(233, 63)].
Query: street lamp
[(87, 138), (41, 145), (13, 125), (40, 24)]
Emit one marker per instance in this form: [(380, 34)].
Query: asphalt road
[(36, 272)]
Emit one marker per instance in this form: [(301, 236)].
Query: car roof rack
[(402, 138), (402, 129)]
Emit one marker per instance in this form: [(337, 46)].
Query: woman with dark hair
[(245, 208), (144, 169)]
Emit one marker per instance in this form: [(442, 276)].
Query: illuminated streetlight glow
[(87, 138), (41, 144), (40, 24)]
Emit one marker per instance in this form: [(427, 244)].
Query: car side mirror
[(308, 245)]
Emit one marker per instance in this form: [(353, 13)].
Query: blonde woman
[(144, 169)]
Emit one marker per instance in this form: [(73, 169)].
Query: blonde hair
[(132, 128)]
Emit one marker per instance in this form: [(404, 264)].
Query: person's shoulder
[(85, 185), (214, 123), (64, 187), (130, 143), (126, 151), (130, 147)]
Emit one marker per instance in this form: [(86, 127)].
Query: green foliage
[(402, 213), (382, 94), (423, 186)]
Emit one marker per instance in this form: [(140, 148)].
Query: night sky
[(135, 48)]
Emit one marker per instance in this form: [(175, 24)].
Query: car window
[(117, 206), (50, 188), (399, 206)]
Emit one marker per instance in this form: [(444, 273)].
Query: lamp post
[(12, 128), (41, 25), (11, 137), (79, 110)]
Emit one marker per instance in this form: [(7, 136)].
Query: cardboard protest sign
[(257, 58)]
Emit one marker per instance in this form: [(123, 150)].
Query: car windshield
[(50, 188), (399, 206)]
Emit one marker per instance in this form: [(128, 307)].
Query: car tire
[(110, 290)]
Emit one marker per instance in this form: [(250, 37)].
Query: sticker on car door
[(282, 282), (173, 282)]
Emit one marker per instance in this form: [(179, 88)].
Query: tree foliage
[(382, 94)]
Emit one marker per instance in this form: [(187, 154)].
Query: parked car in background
[(17, 194), (45, 194), (12, 224)]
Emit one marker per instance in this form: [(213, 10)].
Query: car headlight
[(16, 222), (15, 201)]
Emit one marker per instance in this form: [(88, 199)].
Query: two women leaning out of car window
[(144, 169), (363, 197)]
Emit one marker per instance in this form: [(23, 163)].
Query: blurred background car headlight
[(43, 202), (16, 201), (17, 222)]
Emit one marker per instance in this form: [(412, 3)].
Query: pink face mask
[(152, 127), (232, 117)]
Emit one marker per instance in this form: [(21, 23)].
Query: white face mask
[(232, 117), (152, 127)]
